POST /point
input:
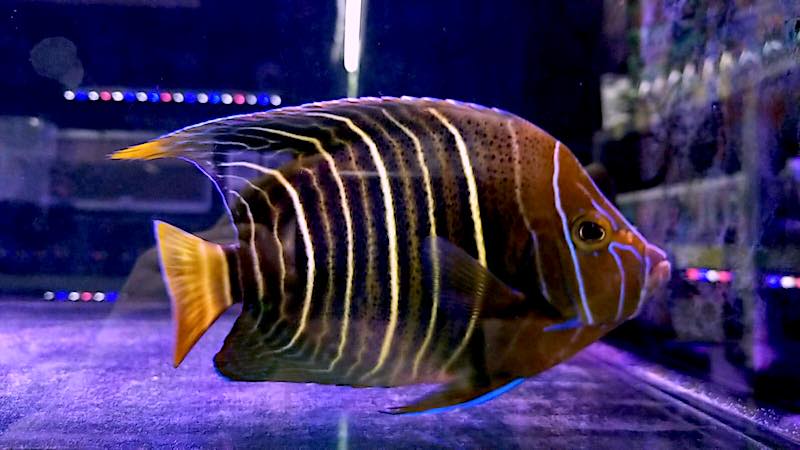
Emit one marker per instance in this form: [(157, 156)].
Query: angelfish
[(390, 241)]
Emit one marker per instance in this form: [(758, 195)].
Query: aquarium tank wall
[(707, 113), (684, 115)]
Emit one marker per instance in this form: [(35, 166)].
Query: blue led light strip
[(82, 296), (769, 280), (782, 281), (203, 97), (708, 275)]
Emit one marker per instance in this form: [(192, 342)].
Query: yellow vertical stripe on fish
[(391, 233), (371, 284), (307, 244), (426, 179), (409, 219), (348, 223), (472, 187), (475, 211), (328, 232), (281, 262), (253, 253)]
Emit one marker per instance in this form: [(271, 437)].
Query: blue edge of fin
[(474, 402), (568, 325)]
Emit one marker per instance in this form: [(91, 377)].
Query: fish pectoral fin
[(457, 395), (196, 274), (466, 287)]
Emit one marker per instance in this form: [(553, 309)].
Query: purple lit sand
[(99, 375)]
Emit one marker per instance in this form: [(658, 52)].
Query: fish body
[(390, 241)]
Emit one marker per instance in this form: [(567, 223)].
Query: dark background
[(539, 59)]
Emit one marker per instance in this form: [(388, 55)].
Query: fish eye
[(590, 232)]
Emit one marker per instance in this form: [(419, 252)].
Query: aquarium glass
[(685, 113)]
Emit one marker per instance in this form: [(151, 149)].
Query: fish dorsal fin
[(257, 144), (286, 132), (466, 287), (197, 278), (247, 147)]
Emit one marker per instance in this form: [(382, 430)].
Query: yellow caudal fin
[(198, 282), (149, 150)]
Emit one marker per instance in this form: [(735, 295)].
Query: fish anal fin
[(466, 286), (250, 355), (238, 358), (457, 395), (197, 279)]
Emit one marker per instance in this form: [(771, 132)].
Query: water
[(688, 108)]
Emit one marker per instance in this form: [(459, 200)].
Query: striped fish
[(389, 241)]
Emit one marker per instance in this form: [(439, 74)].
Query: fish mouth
[(659, 276), (660, 269)]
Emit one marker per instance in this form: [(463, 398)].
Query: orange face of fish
[(594, 266)]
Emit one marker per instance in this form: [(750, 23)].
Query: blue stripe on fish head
[(552, 252), (609, 267), (550, 266)]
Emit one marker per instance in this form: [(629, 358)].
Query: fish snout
[(660, 268)]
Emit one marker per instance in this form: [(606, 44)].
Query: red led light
[(86, 296), (105, 96), (238, 99), (693, 274), (166, 97), (725, 276)]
